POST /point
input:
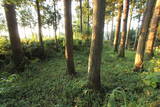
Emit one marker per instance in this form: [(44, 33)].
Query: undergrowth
[(45, 83)]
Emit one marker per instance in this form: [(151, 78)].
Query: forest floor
[(45, 84)]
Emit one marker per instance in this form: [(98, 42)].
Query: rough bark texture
[(124, 30), (40, 27), (143, 35), (69, 37), (96, 45), (17, 52), (81, 25), (118, 27), (153, 30)]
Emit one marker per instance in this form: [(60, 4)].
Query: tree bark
[(96, 45), (17, 52), (81, 25), (153, 30), (143, 35), (40, 26), (69, 37), (118, 27), (124, 30)]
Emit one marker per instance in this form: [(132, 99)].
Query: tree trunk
[(96, 45), (153, 30), (17, 52), (112, 28), (69, 37), (55, 26), (127, 44), (143, 35), (81, 25), (88, 18), (40, 27), (118, 27), (124, 30), (137, 34)]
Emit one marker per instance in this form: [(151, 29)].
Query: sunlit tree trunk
[(40, 26), (153, 30), (124, 29), (143, 35), (17, 52), (96, 45), (118, 27), (69, 37)]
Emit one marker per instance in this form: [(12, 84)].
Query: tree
[(40, 27), (17, 52), (118, 26), (127, 44), (96, 45), (69, 37), (81, 25), (124, 30), (143, 35), (153, 30)]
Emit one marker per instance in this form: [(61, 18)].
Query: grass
[(45, 84)]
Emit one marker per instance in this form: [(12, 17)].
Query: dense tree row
[(101, 11)]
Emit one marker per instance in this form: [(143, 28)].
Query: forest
[(79, 53)]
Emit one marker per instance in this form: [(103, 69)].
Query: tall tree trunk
[(124, 30), (96, 45), (127, 44), (40, 26), (69, 37), (118, 27), (81, 25), (143, 35), (17, 52), (137, 34), (107, 35), (153, 30), (88, 18), (112, 28), (55, 26)]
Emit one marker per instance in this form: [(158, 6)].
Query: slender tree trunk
[(55, 26), (25, 33), (143, 35), (88, 18), (124, 30), (40, 26), (69, 37), (81, 25), (127, 44), (112, 28), (137, 34), (153, 30), (118, 27), (96, 45), (107, 32), (17, 52)]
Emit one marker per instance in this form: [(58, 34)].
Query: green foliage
[(45, 83)]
